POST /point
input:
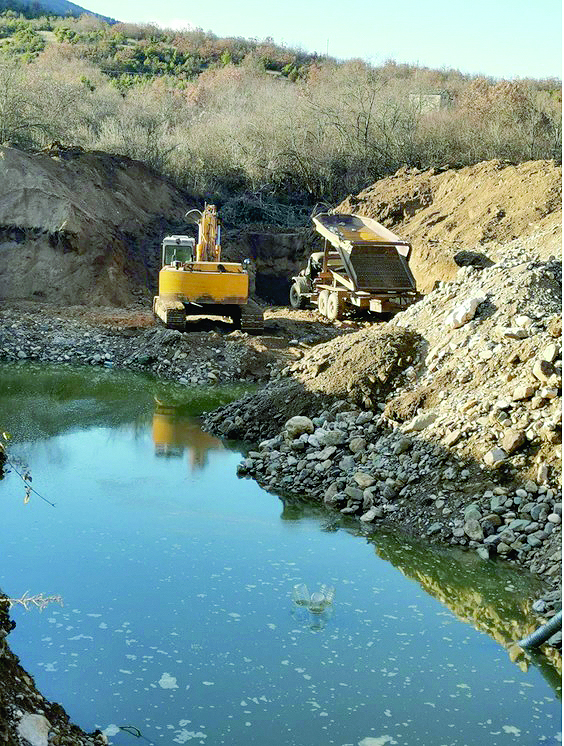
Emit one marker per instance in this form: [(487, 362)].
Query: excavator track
[(252, 318), (171, 313)]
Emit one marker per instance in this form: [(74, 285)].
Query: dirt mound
[(81, 227), (361, 366), (444, 211)]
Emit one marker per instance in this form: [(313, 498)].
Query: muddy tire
[(335, 306), (296, 298), (322, 302)]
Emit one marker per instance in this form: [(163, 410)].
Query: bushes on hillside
[(207, 112)]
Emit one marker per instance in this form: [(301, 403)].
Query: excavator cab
[(177, 249)]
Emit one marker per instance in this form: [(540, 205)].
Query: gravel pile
[(197, 359)]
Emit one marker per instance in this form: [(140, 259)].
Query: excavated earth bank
[(79, 227)]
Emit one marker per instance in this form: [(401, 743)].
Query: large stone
[(298, 425), (542, 370), (512, 440), (495, 457), (330, 437), (473, 530), (464, 312), (494, 519), (326, 453), (452, 438), (472, 511), (34, 729), (523, 392), (550, 353), (483, 552), (357, 445), (420, 422), (402, 445), (364, 417), (514, 333), (363, 479), (347, 463), (354, 493), (539, 512), (519, 524)]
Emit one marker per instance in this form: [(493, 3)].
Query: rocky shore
[(458, 441), (26, 717)]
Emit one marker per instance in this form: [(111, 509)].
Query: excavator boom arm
[(208, 248)]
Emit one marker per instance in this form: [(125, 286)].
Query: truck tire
[(296, 298), (322, 302), (334, 306)]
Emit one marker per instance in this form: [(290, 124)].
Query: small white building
[(430, 101)]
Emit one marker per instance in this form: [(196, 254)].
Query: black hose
[(542, 633)]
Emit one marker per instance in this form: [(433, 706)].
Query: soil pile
[(81, 227), (484, 206)]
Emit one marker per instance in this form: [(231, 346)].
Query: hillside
[(270, 129), (35, 8)]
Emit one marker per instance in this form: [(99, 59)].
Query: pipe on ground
[(542, 633)]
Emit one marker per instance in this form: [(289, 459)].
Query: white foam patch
[(511, 729), (379, 741), (183, 736), (167, 682)]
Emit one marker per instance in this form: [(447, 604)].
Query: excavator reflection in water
[(175, 432)]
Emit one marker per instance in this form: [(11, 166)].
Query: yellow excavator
[(194, 281)]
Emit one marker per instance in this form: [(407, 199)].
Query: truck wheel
[(322, 302), (296, 298), (334, 306)]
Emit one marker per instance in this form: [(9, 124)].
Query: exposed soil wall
[(79, 227)]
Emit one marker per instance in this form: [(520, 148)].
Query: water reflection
[(175, 433), (313, 621), (178, 614), (490, 595)]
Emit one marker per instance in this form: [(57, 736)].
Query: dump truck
[(194, 281), (363, 266)]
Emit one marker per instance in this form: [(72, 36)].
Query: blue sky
[(497, 38)]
